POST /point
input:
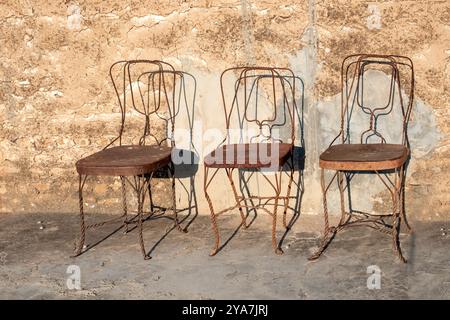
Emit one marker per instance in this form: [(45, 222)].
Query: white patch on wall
[(374, 19), (147, 20), (74, 17)]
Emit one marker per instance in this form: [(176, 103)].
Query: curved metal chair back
[(153, 90), (262, 101), (359, 98)]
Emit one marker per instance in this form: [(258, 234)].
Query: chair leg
[(171, 171), (79, 248), (402, 200), (213, 215), (275, 244), (286, 202), (328, 233), (340, 182), (124, 204), (236, 197), (141, 185), (396, 207)]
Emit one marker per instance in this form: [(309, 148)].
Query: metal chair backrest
[(364, 100), (148, 90), (262, 101)]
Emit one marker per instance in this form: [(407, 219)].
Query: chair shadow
[(183, 170)]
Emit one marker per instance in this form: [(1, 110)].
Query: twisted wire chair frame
[(352, 86), (156, 78), (248, 82)]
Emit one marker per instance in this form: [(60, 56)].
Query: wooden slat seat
[(363, 157), (248, 155), (127, 160)]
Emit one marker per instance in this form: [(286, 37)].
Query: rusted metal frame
[(348, 91), (396, 188), (211, 210), (277, 186), (396, 209), (237, 205), (359, 216), (126, 67), (239, 200), (229, 173), (358, 74), (84, 227), (274, 186), (140, 186), (171, 172), (373, 224), (243, 75), (174, 110), (157, 101), (287, 107), (289, 187), (328, 233), (274, 75), (344, 80), (79, 248), (263, 122), (402, 199), (153, 212), (171, 102), (248, 97), (124, 202), (243, 187), (176, 102), (344, 217), (122, 104), (391, 183), (406, 114), (344, 100), (392, 192), (373, 221), (372, 112), (260, 198), (275, 245), (373, 215)]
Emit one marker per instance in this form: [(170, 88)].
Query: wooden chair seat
[(364, 157), (248, 155), (128, 160)]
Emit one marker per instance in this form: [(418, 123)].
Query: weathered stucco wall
[(57, 104)]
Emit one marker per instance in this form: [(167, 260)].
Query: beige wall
[(57, 104)]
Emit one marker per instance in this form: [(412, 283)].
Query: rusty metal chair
[(244, 91), (150, 88), (379, 158)]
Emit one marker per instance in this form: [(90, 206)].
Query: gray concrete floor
[(33, 262)]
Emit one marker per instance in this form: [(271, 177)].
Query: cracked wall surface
[(57, 104)]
